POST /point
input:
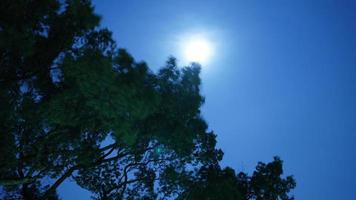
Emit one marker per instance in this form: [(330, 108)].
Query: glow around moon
[(197, 48)]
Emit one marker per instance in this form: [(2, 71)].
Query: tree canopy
[(74, 106)]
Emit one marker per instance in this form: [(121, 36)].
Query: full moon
[(197, 49)]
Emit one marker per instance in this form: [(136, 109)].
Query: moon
[(197, 49)]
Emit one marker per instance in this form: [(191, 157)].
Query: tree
[(66, 89), (266, 183)]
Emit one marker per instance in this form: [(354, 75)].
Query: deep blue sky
[(282, 81)]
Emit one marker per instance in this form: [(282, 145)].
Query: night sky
[(282, 80)]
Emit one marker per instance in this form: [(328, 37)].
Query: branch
[(69, 172), (108, 147), (17, 181), (118, 156), (60, 181), (126, 170)]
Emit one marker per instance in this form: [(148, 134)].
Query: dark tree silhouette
[(266, 183), (66, 89)]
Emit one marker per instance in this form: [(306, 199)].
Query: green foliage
[(66, 89), (266, 183), (213, 183)]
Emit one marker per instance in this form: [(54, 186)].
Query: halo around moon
[(196, 48)]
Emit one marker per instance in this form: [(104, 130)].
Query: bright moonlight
[(197, 49)]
